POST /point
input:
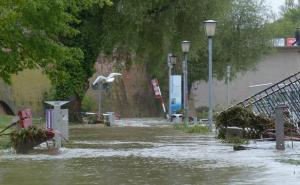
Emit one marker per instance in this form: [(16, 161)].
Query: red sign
[(290, 41), (156, 87)]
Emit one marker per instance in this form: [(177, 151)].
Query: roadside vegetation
[(5, 120), (200, 129)]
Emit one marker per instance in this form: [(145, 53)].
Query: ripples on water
[(151, 155)]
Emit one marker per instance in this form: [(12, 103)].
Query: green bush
[(192, 128), (25, 139), (88, 104), (242, 118)]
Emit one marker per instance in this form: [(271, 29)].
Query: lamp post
[(210, 28), (171, 62), (227, 83), (185, 46)]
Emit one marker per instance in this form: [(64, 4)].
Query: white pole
[(228, 79), (185, 89), (210, 100), (170, 83)]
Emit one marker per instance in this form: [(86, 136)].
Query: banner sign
[(176, 97), (290, 41), (157, 93), (279, 42), (156, 88)]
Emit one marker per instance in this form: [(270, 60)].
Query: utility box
[(111, 118), (57, 119), (176, 118)]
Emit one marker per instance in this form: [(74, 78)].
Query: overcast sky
[(275, 4)]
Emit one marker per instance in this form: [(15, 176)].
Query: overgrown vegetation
[(252, 125), (23, 140), (192, 128)]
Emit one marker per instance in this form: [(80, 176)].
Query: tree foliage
[(64, 37), (153, 28), (285, 26), (32, 34)]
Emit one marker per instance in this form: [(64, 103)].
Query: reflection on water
[(149, 155)]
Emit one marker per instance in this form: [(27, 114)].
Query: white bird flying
[(110, 78)]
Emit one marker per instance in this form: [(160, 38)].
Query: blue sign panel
[(176, 99)]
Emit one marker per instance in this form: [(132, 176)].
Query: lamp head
[(210, 28), (185, 46)]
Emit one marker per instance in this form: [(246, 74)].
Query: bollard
[(279, 126), (195, 120), (111, 118)]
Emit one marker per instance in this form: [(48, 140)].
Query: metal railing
[(287, 92)]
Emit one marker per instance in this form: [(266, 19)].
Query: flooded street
[(145, 154)]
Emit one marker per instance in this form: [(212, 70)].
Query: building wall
[(272, 69), (26, 90)]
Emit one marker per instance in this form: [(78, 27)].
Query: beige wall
[(272, 68), (26, 91)]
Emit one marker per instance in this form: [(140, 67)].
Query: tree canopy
[(289, 20), (153, 28), (64, 37), (32, 34)]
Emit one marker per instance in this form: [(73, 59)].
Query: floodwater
[(138, 153)]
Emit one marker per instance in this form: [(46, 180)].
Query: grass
[(192, 128), (5, 120), (290, 161)]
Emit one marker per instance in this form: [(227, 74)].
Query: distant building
[(270, 70)]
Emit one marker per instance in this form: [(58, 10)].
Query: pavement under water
[(146, 151)]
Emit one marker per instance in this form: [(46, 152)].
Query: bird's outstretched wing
[(98, 79), (111, 75), (109, 80)]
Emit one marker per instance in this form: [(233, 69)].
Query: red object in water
[(50, 134), (25, 118)]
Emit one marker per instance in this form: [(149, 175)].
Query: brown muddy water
[(147, 152)]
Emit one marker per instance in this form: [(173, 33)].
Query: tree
[(285, 26), (33, 34), (154, 28), (64, 37)]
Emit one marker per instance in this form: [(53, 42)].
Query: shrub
[(252, 125), (88, 104), (192, 128)]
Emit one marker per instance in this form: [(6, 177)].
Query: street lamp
[(171, 63), (210, 28), (185, 46)]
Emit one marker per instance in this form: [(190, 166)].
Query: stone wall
[(131, 94)]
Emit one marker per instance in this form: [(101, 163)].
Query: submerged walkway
[(147, 154)]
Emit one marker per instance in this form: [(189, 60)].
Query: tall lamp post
[(210, 28), (227, 84), (171, 62), (185, 46)]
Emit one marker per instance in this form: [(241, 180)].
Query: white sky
[(275, 4)]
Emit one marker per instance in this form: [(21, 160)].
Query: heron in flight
[(110, 78)]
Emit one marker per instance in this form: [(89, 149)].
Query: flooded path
[(150, 155)]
